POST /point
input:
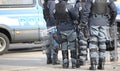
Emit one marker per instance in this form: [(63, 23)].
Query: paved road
[(36, 61)]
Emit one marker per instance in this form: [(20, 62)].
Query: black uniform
[(52, 51), (65, 26), (96, 14)]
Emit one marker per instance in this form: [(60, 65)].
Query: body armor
[(61, 13), (100, 7)]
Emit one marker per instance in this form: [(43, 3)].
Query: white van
[(21, 21)]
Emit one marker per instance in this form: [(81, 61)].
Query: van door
[(22, 16)]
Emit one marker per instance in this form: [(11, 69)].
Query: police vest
[(100, 7), (61, 12)]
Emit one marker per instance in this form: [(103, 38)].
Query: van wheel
[(4, 43)]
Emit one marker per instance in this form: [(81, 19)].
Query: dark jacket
[(48, 12)]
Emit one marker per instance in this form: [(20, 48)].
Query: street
[(36, 61), (26, 22)]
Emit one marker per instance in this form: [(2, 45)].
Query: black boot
[(65, 59), (112, 59), (55, 57), (73, 58), (48, 54), (101, 64), (93, 64), (55, 60), (49, 61), (78, 63)]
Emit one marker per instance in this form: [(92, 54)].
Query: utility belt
[(99, 15), (58, 36), (64, 21)]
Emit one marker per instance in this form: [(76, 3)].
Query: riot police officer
[(81, 40), (65, 27), (52, 50), (95, 13)]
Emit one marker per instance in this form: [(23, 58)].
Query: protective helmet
[(45, 0), (62, 0), (78, 1), (66, 0)]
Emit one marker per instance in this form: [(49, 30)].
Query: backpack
[(61, 12)]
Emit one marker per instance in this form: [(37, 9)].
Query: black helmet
[(78, 1), (62, 0), (45, 0), (66, 0)]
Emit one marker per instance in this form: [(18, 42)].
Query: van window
[(8, 2), (16, 3)]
